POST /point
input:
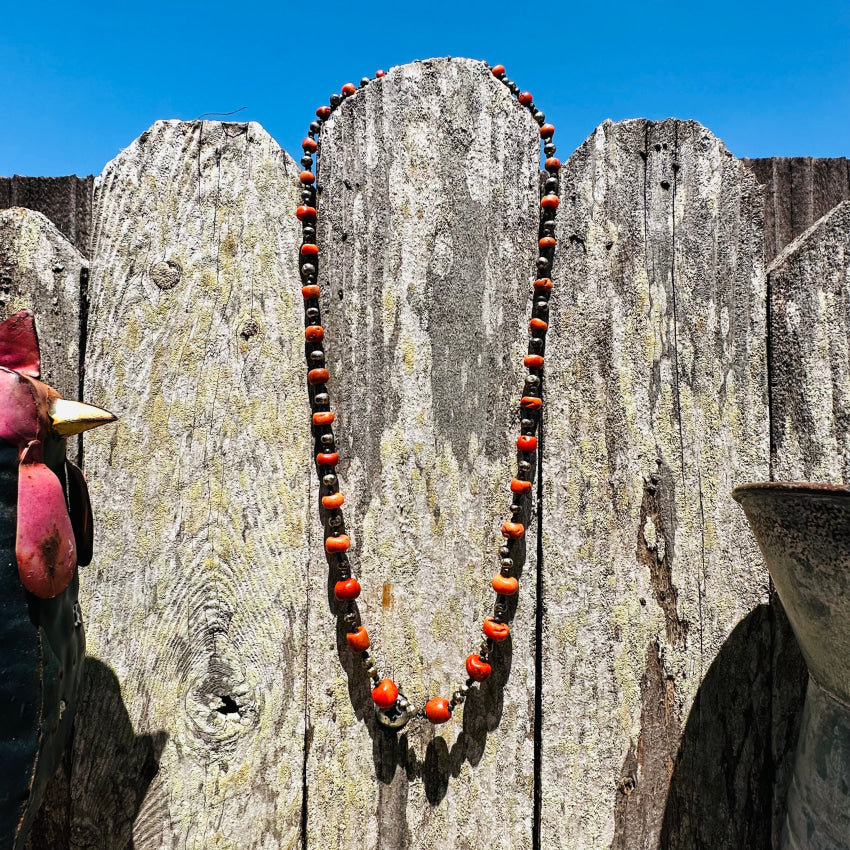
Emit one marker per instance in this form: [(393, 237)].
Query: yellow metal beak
[(74, 417)]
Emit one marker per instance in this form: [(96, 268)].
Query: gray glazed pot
[(803, 531)]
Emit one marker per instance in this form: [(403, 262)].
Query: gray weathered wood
[(428, 221), (656, 407), (41, 271), (810, 375), (197, 602), (66, 201), (798, 191)]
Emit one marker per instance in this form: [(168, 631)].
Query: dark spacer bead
[(336, 100), (542, 305), (542, 263), (514, 88), (532, 380), (527, 424), (507, 82), (329, 480), (524, 465), (515, 509), (315, 126), (548, 228), (549, 149), (505, 551), (317, 356), (552, 184), (536, 343), (306, 160), (327, 439), (335, 521), (308, 269), (309, 233), (506, 563), (308, 195), (365, 81), (312, 313), (538, 116), (321, 399)]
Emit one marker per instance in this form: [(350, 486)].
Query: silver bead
[(372, 672), (335, 521), (329, 480)]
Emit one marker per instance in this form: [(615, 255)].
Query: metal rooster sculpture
[(45, 532)]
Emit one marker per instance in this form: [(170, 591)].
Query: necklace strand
[(393, 710)]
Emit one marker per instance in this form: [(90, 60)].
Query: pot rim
[(790, 488)]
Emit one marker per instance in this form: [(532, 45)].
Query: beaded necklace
[(393, 710)]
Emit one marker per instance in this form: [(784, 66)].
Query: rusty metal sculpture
[(804, 533), (45, 532)]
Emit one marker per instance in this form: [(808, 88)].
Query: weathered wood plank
[(428, 224), (66, 201), (197, 601), (810, 367), (798, 191), (41, 271), (656, 407)]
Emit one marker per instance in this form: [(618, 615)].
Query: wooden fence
[(651, 692)]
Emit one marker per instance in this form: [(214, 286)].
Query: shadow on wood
[(111, 771), (744, 722)]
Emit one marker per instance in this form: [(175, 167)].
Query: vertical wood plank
[(41, 271), (197, 598), (810, 365), (66, 201), (428, 220), (656, 407)]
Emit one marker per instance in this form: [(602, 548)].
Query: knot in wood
[(166, 274)]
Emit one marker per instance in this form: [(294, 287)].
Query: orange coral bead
[(505, 585), (309, 250), (311, 291), (314, 333), (495, 631), (305, 213), (530, 402), (325, 418), (538, 325), (547, 131), (525, 98), (533, 361), (552, 164), (544, 284), (550, 202), (347, 589), (358, 640), (349, 88), (310, 145), (437, 710), (380, 73), (520, 486), (307, 177), (498, 70), (340, 543), (526, 443), (513, 530), (547, 242), (323, 112), (478, 669), (327, 458), (385, 693), (317, 376), (335, 500)]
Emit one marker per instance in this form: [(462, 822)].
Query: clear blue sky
[(80, 80)]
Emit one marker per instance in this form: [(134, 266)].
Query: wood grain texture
[(656, 407), (428, 220), (66, 201), (810, 368), (41, 271), (798, 191), (200, 498)]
